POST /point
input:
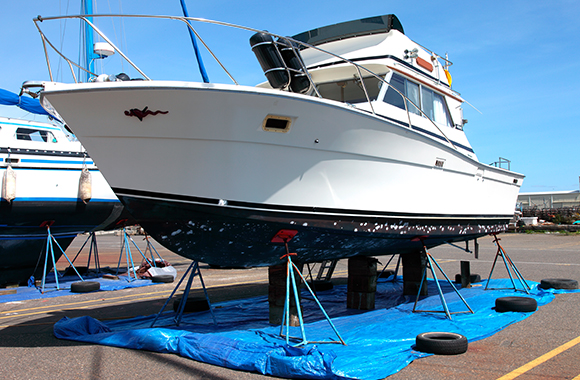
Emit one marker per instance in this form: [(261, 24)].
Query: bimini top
[(349, 29)]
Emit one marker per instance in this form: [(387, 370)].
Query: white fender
[(85, 186), (9, 184)]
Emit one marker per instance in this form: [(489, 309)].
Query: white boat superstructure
[(48, 180), (355, 144)]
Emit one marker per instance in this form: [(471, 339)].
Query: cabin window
[(351, 90), (431, 103), (28, 134)]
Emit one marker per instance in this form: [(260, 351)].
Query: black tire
[(85, 286), (522, 304), (70, 271), (558, 283), (441, 343), (192, 305), (321, 285), (166, 278), (475, 278)]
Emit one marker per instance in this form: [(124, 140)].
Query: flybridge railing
[(187, 20)]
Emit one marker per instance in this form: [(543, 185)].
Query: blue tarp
[(244, 340), (50, 291), (8, 98)]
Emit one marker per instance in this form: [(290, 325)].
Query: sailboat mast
[(195, 49), (90, 56)]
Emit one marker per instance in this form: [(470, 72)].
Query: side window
[(392, 96), (431, 103), (28, 134), (413, 96), (440, 111)]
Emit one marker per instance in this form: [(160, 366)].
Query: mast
[(195, 49), (90, 56)]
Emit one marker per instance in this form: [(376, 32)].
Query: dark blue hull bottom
[(239, 234), (23, 232)]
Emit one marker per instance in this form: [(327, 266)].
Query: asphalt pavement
[(543, 344)]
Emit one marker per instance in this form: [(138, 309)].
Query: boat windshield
[(350, 90)]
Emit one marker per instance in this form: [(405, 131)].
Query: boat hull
[(24, 233), (240, 234), (209, 182), (24, 258), (46, 182)]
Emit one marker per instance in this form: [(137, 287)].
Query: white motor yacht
[(354, 146)]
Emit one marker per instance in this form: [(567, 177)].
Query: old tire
[(441, 343), (475, 278), (164, 278), (192, 304), (85, 286), (558, 283), (321, 285), (522, 304)]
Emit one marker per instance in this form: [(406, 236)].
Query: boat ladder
[(328, 266)]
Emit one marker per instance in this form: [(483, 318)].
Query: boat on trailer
[(48, 180), (354, 146)]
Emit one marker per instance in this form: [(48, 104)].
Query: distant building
[(549, 200)]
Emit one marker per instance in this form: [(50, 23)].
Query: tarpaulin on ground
[(243, 339), (23, 293)]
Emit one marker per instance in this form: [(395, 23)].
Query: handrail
[(186, 20)]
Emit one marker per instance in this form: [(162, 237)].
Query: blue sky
[(518, 62)]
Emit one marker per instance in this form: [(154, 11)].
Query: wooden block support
[(413, 267), (465, 274), (277, 294), (362, 283)]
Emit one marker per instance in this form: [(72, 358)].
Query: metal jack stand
[(194, 268), (50, 250), (92, 246), (151, 248), (129, 256), (430, 261), (396, 268), (284, 236), (508, 263)]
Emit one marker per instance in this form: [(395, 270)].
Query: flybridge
[(349, 29)]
